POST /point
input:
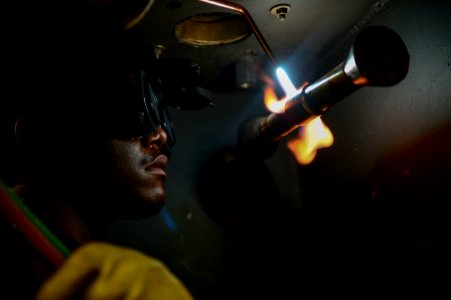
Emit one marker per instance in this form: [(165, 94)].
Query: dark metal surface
[(360, 210), (308, 30)]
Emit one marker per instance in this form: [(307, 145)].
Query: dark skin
[(131, 169), (95, 269), (81, 182), (122, 179), (140, 165)]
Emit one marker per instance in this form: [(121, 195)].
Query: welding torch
[(378, 57)]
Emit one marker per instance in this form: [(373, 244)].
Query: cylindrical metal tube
[(315, 100), (378, 57)]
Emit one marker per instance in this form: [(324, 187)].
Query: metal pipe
[(378, 57), (243, 11)]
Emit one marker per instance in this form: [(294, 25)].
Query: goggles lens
[(156, 113)]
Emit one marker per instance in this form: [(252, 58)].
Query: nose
[(159, 138)]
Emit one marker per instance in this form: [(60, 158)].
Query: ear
[(29, 136), (22, 131), (28, 133)]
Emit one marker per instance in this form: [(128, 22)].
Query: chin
[(139, 204), (137, 212), (146, 205)]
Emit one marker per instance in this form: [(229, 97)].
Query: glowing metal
[(285, 82)]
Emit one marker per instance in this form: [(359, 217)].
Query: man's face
[(136, 168), (128, 151)]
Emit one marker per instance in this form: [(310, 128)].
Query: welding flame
[(312, 136), (271, 101), (270, 97)]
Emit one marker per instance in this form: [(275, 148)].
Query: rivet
[(281, 11)]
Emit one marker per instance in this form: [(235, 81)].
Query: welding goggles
[(155, 113), (143, 114), (156, 88)]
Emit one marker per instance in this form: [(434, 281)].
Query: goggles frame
[(156, 113)]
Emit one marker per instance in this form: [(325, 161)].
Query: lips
[(158, 165)]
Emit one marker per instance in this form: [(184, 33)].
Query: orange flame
[(271, 101), (274, 104), (313, 136)]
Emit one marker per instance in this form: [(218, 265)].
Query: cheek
[(127, 176), (122, 159)]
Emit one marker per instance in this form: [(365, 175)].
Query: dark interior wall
[(375, 121), (379, 197), (393, 144), (376, 203)]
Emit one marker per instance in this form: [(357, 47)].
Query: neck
[(65, 214)]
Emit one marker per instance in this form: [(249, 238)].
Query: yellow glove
[(104, 271)]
